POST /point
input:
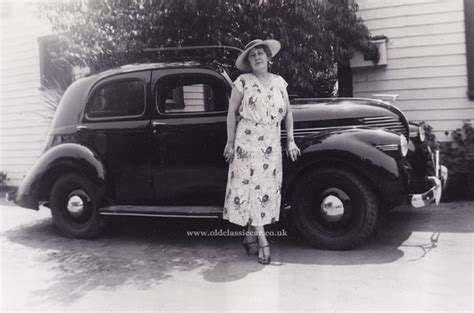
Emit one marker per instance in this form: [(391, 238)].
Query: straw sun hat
[(242, 64)]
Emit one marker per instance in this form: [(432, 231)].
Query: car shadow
[(146, 252)]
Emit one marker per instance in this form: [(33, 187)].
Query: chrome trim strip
[(443, 175), (379, 117), (311, 131), (394, 123), (392, 147), (352, 127), (437, 163), (158, 215), (305, 132), (380, 120), (323, 128)]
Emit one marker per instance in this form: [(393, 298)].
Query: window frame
[(103, 84), (212, 76)]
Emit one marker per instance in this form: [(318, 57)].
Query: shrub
[(458, 156), (3, 180)]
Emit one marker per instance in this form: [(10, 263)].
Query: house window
[(54, 74), (469, 23), (189, 98), (175, 100)]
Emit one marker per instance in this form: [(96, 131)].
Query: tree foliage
[(315, 34)]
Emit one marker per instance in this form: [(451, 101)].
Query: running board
[(163, 211)]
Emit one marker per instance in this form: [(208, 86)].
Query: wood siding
[(427, 65), (22, 125)]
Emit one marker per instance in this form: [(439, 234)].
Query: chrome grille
[(300, 132), (387, 122)]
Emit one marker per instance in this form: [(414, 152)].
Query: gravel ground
[(422, 260)]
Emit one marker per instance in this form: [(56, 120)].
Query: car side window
[(117, 99), (177, 94)]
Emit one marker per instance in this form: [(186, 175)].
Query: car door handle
[(81, 128), (156, 123)]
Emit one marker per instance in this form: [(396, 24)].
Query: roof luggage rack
[(210, 54), (205, 47)]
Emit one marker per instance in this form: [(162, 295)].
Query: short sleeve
[(282, 82), (239, 83)]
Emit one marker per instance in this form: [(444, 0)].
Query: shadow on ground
[(146, 252)]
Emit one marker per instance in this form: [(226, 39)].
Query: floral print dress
[(253, 193)]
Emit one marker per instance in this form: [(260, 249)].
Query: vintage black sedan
[(147, 140)]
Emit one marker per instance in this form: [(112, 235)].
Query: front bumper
[(438, 183)]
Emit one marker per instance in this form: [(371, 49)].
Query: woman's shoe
[(251, 247), (266, 258)]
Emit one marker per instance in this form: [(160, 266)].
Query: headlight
[(403, 145), (421, 132)]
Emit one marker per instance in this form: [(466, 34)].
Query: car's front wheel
[(73, 203), (334, 209)]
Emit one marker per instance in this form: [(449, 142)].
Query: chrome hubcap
[(332, 208), (75, 205)]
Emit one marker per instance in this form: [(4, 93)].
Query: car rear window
[(117, 99)]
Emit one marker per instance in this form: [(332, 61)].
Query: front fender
[(36, 185), (370, 153)]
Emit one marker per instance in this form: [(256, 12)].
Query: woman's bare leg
[(250, 242), (250, 234), (262, 241)]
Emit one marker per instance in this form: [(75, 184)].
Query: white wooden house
[(428, 62), (22, 127)]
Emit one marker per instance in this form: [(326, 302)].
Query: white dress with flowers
[(253, 193)]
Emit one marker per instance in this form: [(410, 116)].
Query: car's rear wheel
[(73, 203), (334, 209)]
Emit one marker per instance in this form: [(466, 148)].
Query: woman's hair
[(265, 48)]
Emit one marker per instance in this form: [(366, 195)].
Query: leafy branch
[(315, 35)]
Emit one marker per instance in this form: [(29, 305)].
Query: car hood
[(321, 114)]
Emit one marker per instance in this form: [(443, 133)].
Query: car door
[(116, 125), (189, 135)]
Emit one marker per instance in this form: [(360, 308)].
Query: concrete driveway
[(421, 260)]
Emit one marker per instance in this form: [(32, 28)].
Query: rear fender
[(61, 159)]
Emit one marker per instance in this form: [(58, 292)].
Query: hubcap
[(75, 205), (332, 208)]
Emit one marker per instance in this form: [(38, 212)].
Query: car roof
[(68, 113), (145, 66)]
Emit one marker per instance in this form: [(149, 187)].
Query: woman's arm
[(290, 137), (292, 150), (234, 104)]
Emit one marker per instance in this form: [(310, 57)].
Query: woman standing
[(260, 100)]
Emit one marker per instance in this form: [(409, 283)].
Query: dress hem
[(247, 224)]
